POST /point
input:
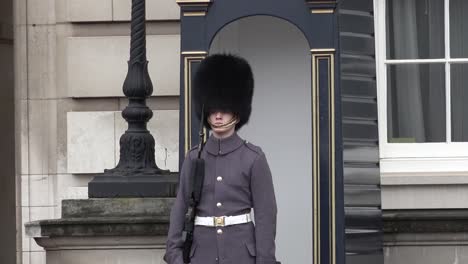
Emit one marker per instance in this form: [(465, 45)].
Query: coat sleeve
[(265, 210), (175, 242)]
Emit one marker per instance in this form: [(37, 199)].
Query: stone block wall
[(70, 63)]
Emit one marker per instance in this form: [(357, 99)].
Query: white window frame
[(415, 158)]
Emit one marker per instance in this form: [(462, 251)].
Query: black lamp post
[(136, 174)]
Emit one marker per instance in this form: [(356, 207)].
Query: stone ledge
[(103, 217), (116, 207), (426, 221), (104, 242), (117, 230), (99, 226)]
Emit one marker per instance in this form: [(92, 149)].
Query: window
[(422, 79)]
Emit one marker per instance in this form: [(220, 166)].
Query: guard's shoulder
[(192, 151), (193, 148), (253, 147)]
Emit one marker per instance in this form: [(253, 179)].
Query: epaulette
[(253, 147), (190, 151), (193, 148)]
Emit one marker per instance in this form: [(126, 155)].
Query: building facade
[(63, 64)]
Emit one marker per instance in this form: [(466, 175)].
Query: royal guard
[(222, 180)]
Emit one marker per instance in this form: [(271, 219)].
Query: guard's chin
[(220, 130)]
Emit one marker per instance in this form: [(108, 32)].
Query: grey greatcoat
[(237, 178)]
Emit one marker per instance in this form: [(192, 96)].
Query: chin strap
[(229, 124)]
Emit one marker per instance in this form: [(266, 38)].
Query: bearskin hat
[(224, 82)]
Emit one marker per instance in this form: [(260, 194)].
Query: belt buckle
[(218, 221)]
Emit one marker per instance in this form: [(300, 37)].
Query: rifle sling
[(197, 178)]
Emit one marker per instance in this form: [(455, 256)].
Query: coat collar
[(223, 146)]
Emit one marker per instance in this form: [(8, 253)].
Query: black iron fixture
[(136, 174)]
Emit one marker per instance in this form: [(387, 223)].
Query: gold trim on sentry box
[(331, 118), (192, 56), (200, 13), (317, 56), (322, 11), (192, 1), (315, 162), (193, 53), (323, 51)]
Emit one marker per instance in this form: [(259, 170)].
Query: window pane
[(459, 28), (416, 103), (415, 29), (459, 94)]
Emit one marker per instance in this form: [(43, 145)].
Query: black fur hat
[(224, 82)]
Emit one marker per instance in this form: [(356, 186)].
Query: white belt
[(222, 220)]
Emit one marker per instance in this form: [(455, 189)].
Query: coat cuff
[(266, 261)]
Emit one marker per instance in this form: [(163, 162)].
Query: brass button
[(219, 204), (219, 178), (219, 231)]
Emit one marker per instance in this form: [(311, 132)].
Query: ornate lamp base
[(136, 174)]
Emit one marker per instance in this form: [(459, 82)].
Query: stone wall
[(70, 65)]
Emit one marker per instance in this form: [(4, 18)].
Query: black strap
[(197, 177), (198, 180)]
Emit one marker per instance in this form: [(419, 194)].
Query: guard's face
[(219, 117), (221, 121)]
